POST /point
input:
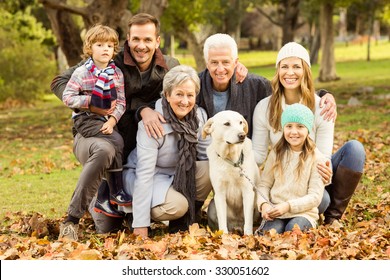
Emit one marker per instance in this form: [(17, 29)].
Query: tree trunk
[(232, 21), (358, 25), (290, 20), (287, 16), (195, 43), (67, 34), (315, 46), (153, 7), (343, 25), (328, 64), (377, 30), (113, 13), (196, 49), (388, 32)]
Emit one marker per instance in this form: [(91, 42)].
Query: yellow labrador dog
[(233, 170)]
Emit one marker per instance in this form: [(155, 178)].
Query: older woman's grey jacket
[(151, 167)]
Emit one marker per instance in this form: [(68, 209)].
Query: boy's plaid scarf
[(104, 90)]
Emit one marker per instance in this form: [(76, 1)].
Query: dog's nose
[(241, 136)]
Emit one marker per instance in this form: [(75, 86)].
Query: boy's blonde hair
[(100, 33)]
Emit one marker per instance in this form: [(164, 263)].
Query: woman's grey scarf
[(184, 180)]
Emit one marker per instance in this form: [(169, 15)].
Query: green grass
[(48, 194), (38, 171), (353, 52)]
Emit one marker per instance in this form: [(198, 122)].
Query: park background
[(349, 43)]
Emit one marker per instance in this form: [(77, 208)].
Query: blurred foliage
[(193, 14), (27, 64)]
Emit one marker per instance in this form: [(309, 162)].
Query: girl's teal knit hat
[(298, 113)]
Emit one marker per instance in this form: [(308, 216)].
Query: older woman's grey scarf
[(184, 180)]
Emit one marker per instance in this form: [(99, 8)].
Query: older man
[(219, 91)]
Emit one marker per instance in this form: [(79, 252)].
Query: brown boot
[(344, 183)]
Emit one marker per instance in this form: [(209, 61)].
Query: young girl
[(291, 187), (95, 92)]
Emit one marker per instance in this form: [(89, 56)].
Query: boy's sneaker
[(69, 231)]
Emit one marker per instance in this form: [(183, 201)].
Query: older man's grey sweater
[(243, 97)]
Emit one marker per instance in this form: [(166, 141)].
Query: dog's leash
[(263, 221), (239, 162), (242, 173)]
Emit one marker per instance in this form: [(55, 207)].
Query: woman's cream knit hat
[(293, 49)]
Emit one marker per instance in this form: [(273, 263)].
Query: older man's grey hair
[(218, 41), (179, 75)]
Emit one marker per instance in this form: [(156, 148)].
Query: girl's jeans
[(282, 225)]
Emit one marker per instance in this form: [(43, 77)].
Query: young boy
[(97, 86)]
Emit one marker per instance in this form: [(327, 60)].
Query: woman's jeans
[(352, 156)]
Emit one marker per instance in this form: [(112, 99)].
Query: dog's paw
[(248, 232)]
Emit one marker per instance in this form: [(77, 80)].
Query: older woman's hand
[(142, 231), (329, 107), (152, 122)]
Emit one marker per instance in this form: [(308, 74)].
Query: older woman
[(293, 83), (164, 176)]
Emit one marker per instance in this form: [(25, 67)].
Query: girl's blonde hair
[(100, 33), (282, 150), (275, 104)]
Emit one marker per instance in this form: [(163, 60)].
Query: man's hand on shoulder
[(152, 121), (329, 107), (241, 72)]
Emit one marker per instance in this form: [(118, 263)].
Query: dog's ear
[(207, 128), (246, 127)]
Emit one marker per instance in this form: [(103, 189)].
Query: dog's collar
[(239, 162)]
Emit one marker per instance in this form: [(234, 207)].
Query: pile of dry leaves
[(32, 236)]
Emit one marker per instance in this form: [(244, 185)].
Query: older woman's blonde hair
[(275, 104), (100, 33)]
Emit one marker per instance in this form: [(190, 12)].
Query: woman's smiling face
[(182, 98), (291, 73)]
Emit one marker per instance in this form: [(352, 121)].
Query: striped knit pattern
[(104, 90)]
